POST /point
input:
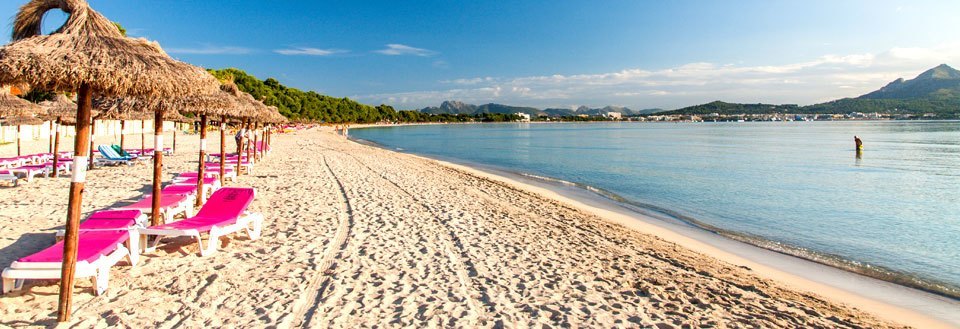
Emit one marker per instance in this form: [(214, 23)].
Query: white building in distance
[(523, 117), (613, 115)]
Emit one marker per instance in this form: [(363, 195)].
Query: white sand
[(358, 236)]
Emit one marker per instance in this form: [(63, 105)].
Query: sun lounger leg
[(12, 284), (101, 280), (151, 243), (255, 227), (133, 248), (212, 242)]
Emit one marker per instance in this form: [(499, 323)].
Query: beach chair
[(210, 186), (224, 213), (29, 171), (110, 157), (171, 205), (229, 173), (231, 162), (105, 238)]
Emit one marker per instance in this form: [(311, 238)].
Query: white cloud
[(210, 50), (816, 80), (309, 51), (396, 49)]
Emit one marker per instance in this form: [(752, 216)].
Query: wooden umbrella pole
[(50, 147), (202, 164), (157, 167), (263, 140), (18, 140), (256, 148), (240, 151), (175, 128), (249, 158), (223, 147), (56, 149), (93, 128), (143, 136), (123, 124), (70, 239)]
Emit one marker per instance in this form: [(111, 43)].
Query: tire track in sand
[(314, 292), (477, 297)]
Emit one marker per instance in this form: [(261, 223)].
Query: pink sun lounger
[(105, 238), (210, 184), (224, 213), (171, 205)]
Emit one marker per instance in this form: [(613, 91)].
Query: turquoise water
[(893, 213)]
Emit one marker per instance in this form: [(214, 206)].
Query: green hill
[(732, 108), (939, 83), (936, 90), (305, 105)]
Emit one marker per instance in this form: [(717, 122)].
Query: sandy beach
[(358, 236)]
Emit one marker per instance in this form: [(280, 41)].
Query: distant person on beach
[(858, 142)]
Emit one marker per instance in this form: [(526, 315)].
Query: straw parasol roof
[(11, 105), (126, 108), (89, 49), (274, 116), (21, 120), (59, 106)]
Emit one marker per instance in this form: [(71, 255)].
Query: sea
[(891, 212)]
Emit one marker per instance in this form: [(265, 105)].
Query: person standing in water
[(858, 142)]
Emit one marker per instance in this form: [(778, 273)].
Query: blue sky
[(640, 54)]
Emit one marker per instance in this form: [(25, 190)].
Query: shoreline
[(885, 299), (358, 236)]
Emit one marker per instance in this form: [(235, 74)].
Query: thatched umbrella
[(247, 107), (17, 111), (89, 54), (220, 103)]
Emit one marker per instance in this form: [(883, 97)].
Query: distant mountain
[(554, 112), (507, 109), (939, 83), (732, 108), (936, 91), (457, 107), (451, 107), (650, 111)]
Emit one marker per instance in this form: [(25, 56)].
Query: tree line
[(298, 105)]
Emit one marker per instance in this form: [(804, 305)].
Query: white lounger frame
[(30, 173), (251, 222), (10, 178), (14, 276), (230, 175)]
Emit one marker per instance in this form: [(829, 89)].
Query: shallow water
[(797, 187)]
